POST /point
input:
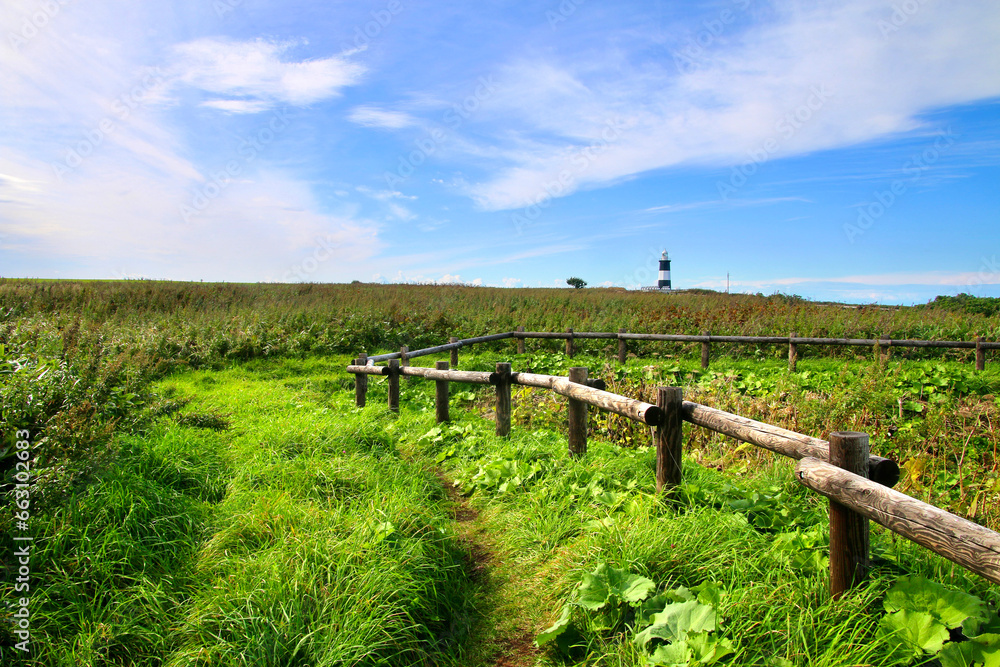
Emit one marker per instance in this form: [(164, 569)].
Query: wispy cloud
[(773, 85), (254, 76), (369, 116), (718, 203)]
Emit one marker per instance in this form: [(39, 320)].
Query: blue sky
[(836, 150)]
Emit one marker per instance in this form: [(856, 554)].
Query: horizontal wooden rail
[(779, 440), (639, 411), (959, 540), (442, 348), (473, 377), (769, 340)]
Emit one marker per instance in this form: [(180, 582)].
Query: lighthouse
[(664, 280)]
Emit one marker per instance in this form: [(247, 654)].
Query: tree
[(576, 282)]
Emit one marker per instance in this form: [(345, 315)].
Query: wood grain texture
[(454, 351), (520, 341), (469, 377), (626, 407), (622, 348), (669, 438), (368, 369), (503, 408), (569, 343), (848, 530), (793, 353), (441, 395), (705, 349), (959, 540), (577, 414), (980, 355), (393, 376), (360, 383), (779, 440)]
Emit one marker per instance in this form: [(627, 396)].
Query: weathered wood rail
[(705, 338), (857, 483)]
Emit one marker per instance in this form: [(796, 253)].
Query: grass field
[(218, 500)]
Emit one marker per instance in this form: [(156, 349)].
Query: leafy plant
[(928, 619), (673, 628)]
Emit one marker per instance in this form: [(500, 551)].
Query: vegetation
[(205, 493), (967, 303), (578, 283)]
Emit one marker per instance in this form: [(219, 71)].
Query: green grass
[(297, 536), (550, 528), (261, 519)]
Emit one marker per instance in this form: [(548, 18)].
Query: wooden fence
[(793, 341), (857, 483)]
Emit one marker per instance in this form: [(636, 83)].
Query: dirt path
[(513, 649)]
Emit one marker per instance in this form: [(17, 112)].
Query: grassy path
[(265, 522)]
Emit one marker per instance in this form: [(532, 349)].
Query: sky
[(838, 150)]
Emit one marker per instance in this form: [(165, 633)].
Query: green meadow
[(205, 492)]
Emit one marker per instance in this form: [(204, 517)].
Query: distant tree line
[(967, 303)]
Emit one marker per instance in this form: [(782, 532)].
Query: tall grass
[(297, 536)]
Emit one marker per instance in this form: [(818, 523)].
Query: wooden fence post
[(622, 348), (577, 415), (569, 343), (669, 438), (441, 394), (454, 352), (394, 385), (360, 382), (980, 354), (884, 356), (404, 360), (848, 529), (503, 399), (705, 351), (793, 352), (520, 342)]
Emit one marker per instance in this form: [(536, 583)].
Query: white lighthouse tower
[(664, 279)]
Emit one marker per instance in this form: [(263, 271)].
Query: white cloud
[(382, 195), (814, 77), (401, 212), (370, 116), (511, 282), (252, 76)]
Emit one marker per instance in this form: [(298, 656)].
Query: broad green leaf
[(631, 588), (952, 607), (919, 630), (676, 621), (557, 628), (981, 651), (708, 649), (710, 593), (594, 590), (671, 655)]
